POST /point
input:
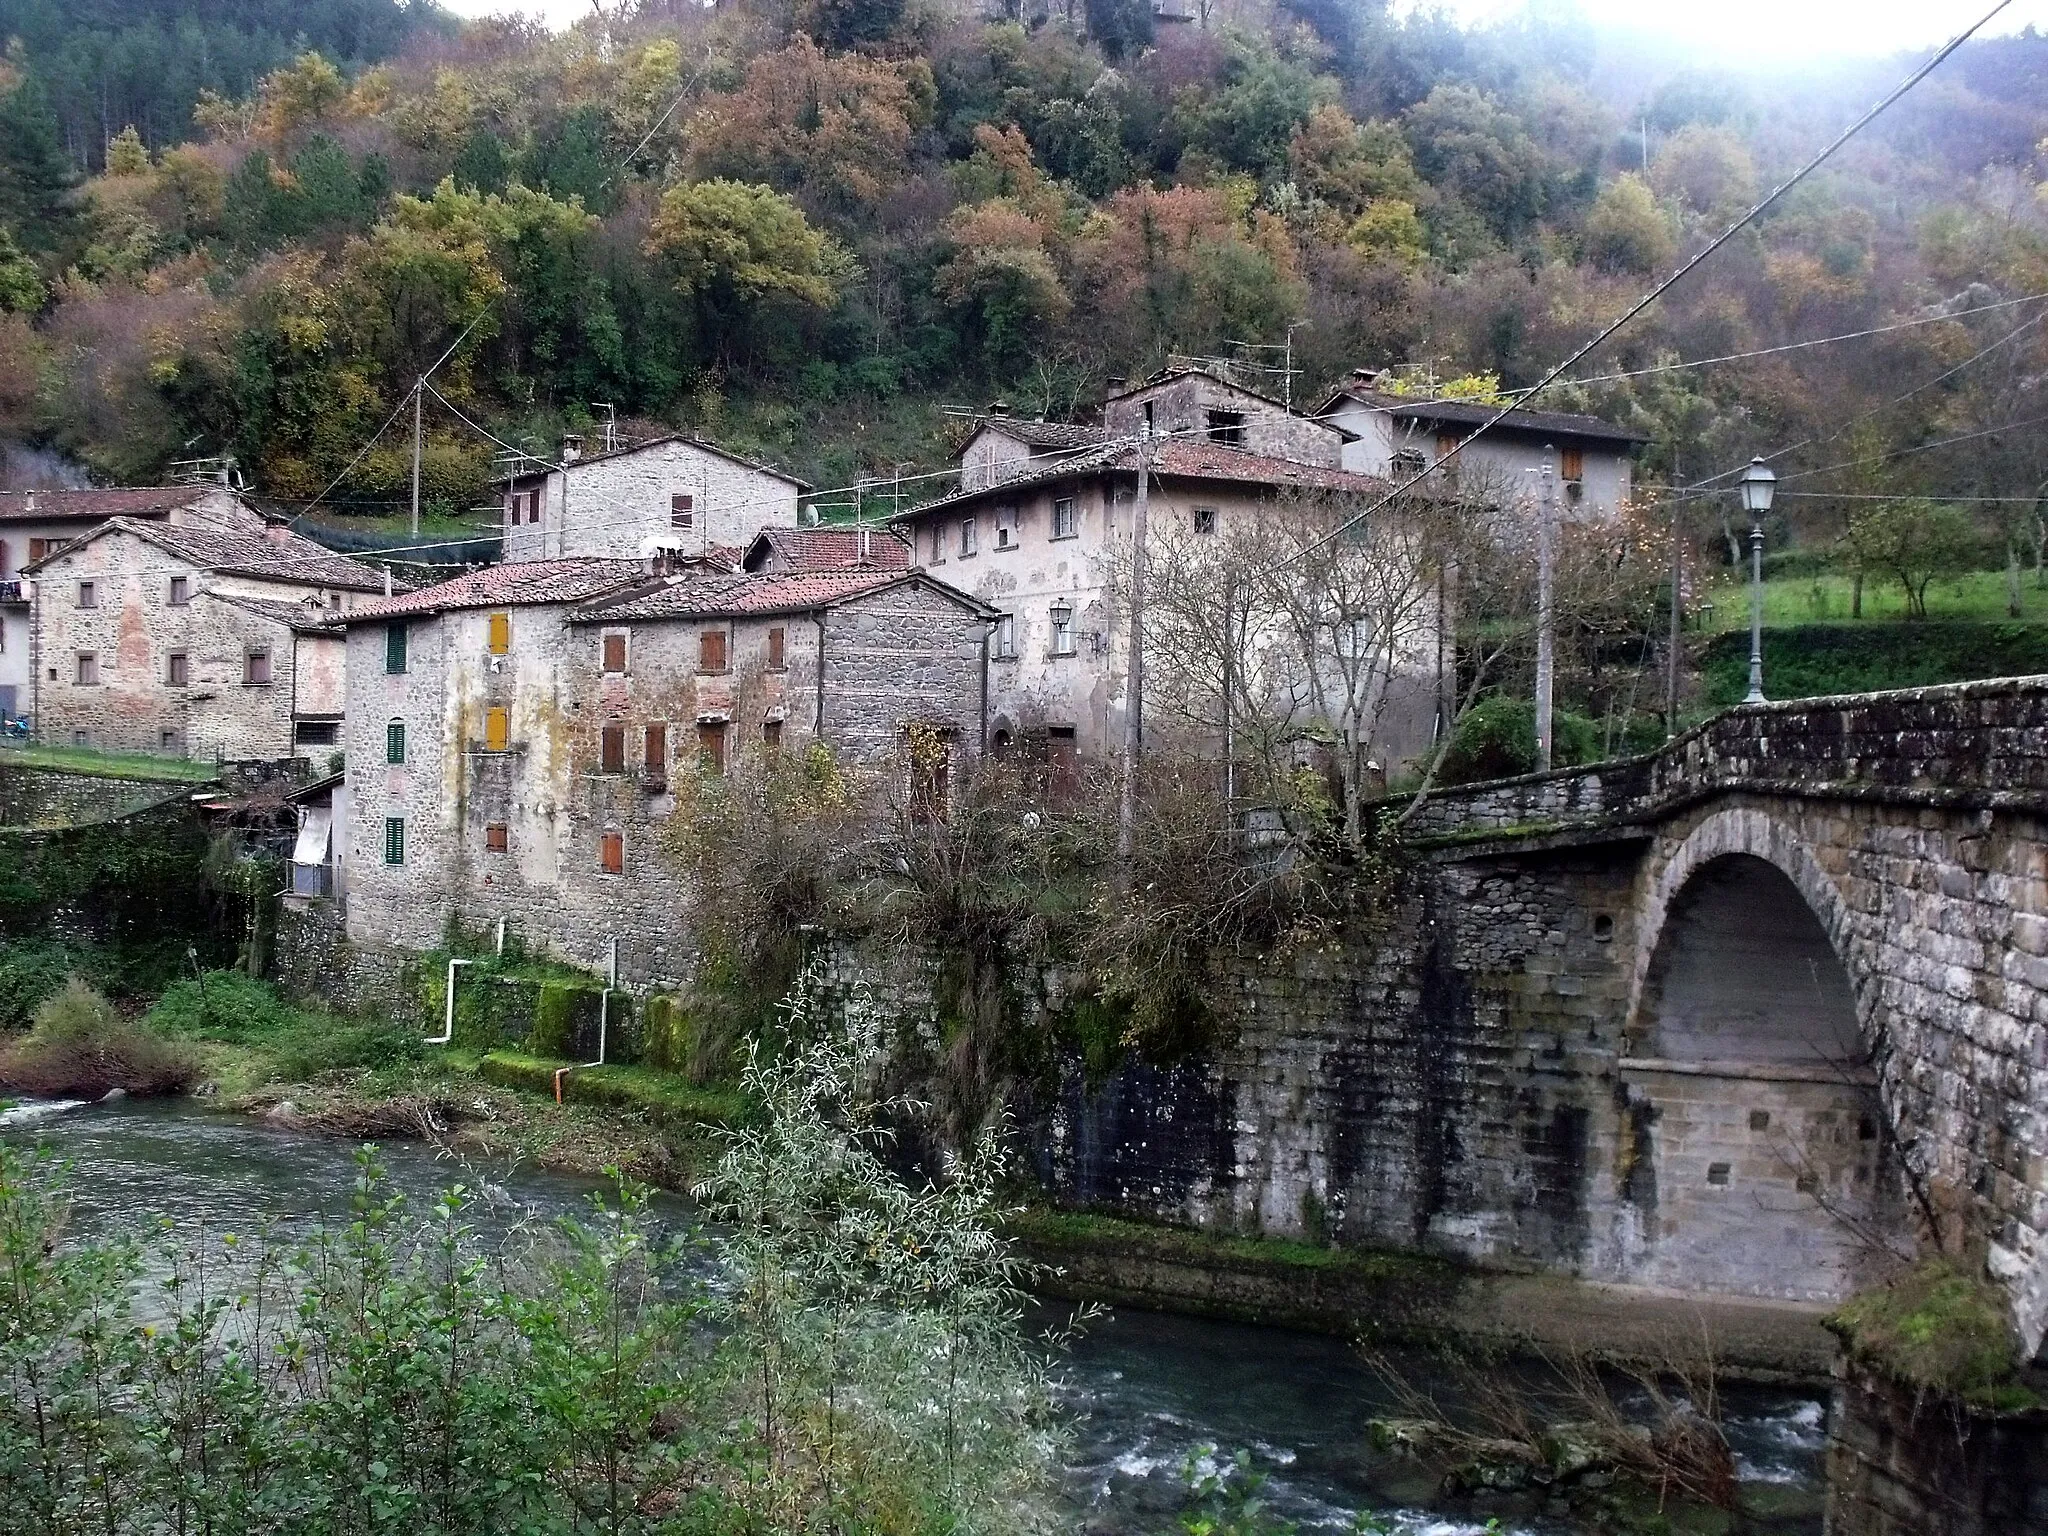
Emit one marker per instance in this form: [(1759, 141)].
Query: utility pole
[(416, 393), (1546, 616), (1677, 614), (1134, 671)]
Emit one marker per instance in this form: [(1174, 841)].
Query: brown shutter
[(711, 746), (495, 839), (711, 651), (612, 749), (775, 644), (1573, 466), (615, 653), (657, 751), (611, 853)]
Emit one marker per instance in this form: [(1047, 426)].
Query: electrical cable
[(1668, 283)]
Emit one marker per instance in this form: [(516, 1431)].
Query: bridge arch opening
[(1755, 1164)]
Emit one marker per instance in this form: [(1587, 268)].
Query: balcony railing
[(13, 591)]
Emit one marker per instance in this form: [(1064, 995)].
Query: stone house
[(193, 640), (780, 550), (516, 734), (1196, 405), (672, 493), (1039, 548), (35, 523), (1398, 437), (1003, 446)]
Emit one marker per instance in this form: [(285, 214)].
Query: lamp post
[(1757, 485)]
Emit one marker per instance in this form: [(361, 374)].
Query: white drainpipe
[(604, 1008), (448, 1020)]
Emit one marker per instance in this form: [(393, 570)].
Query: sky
[(1771, 31)]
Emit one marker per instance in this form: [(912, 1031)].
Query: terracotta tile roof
[(520, 584), (1468, 413), (307, 618), (96, 504), (1045, 434), (832, 549), (1186, 459), (705, 597), (544, 467), (270, 554)]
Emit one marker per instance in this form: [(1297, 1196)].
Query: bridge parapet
[(1964, 745)]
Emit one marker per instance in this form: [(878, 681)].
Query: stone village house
[(1035, 530), (34, 524), (206, 640), (671, 493), (515, 735)]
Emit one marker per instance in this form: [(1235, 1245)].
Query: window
[(711, 651), (533, 506), (1006, 528), (778, 641), (656, 759), (81, 738), (1006, 637), (177, 669), (37, 548), (1572, 465), (497, 729), (1446, 444), (711, 746), (496, 837), (1148, 418), (167, 741), (394, 742), (500, 633), (1408, 464), (527, 502), (615, 651), (394, 839), (88, 595), (1064, 523), (1227, 427), (181, 591), (1062, 630), (256, 668), (88, 668), (969, 540), (317, 733), (611, 853), (611, 749), (682, 511), (394, 648), (938, 543), (1205, 519), (771, 736)]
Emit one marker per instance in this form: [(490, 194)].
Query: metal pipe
[(501, 938), (448, 1019)]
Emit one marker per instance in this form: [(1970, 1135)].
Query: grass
[(113, 765), (1039, 1227), (1827, 599), (665, 1099), (1941, 1327)]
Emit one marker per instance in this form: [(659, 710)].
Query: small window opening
[(88, 595), (777, 640), (1006, 528), (682, 511), (256, 668), (1205, 519), (611, 853), (611, 749), (88, 668), (711, 651), (1717, 1173), (1603, 927), (1759, 1119), (496, 837), (181, 591), (177, 669), (615, 653), (771, 736)]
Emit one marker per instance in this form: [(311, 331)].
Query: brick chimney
[(572, 447)]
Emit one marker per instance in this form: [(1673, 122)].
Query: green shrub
[(1497, 740), (1814, 660), (319, 1044), (81, 1048), (31, 972), (554, 1020), (224, 1005), (1935, 1326)]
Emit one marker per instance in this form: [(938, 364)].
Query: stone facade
[(56, 797), (1191, 404), (523, 828), (144, 644), (621, 505), (1564, 1051)]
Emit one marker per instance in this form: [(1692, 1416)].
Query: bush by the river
[(1496, 739), (81, 1047), (239, 1009), (32, 971), (857, 1367)]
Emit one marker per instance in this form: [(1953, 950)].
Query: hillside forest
[(818, 229)]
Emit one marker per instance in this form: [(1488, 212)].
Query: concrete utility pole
[(1134, 672), (1546, 615), (1677, 616), (416, 393)]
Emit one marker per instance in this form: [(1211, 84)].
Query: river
[(1149, 1390)]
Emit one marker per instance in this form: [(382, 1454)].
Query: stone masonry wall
[(611, 506), (57, 797)]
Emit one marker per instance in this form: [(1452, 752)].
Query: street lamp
[(1758, 484)]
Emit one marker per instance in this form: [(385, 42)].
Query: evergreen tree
[(35, 176)]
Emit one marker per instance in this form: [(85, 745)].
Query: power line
[(1668, 283)]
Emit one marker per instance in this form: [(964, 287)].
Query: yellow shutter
[(497, 730), (501, 633)]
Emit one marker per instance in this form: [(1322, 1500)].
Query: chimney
[(30, 504), (1365, 376), (572, 447), (999, 407), (1115, 384)]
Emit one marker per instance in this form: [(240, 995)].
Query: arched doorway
[(1753, 1161)]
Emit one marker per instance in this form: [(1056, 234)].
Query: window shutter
[(615, 653), (496, 839), (656, 759), (611, 853), (711, 746), (612, 749), (501, 633), (394, 839), (711, 651), (1573, 465), (394, 742), (3, 557), (394, 648), (497, 729), (777, 638)]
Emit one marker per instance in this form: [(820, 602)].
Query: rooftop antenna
[(611, 423)]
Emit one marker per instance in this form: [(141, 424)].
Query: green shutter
[(394, 742), (394, 648), (394, 839)]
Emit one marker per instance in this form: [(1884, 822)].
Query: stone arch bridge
[(1731, 1019)]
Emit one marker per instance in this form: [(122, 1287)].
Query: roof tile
[(520, 584)]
